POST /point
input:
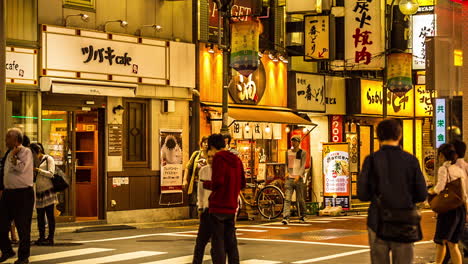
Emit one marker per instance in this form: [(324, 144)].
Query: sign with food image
[(336, 169)]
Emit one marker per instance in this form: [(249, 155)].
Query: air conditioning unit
[(168, 106)]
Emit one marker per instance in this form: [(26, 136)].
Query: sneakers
[(6, 256), (285, 221)]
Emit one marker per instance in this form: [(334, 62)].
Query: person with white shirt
[(17, 200)]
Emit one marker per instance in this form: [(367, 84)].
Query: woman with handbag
[(450, 224), (46, 198)]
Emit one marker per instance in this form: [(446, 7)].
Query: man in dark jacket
[(227, 181), (401, 188)]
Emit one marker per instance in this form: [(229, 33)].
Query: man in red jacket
[(227, 181)]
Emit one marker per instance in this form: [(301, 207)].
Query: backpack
[(59, 180)]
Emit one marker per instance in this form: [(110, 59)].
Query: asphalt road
[(320, 240)]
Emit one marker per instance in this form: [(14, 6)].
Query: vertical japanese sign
[(424, 107), (399, 73), (310, 92), (241, 10), (423, 26), (336, 128), (317, 38), (440, 119), (336, 174), (363, 34), (171, 160), (245, 46)]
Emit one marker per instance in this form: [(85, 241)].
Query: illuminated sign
[(440, 119), (336, 128), (458, 57), (423, 104), (317, 38), (423, 26), (372, 100), (336, 174)]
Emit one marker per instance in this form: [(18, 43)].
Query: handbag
[(59, 180), (449, 198), (397, 225)]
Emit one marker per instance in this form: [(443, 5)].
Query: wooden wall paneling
[(121, 195), (140, 192)]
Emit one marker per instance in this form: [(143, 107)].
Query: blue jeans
[(291, 186), (402, 253)]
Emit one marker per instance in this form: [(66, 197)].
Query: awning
[(87, 87), (265, 115)]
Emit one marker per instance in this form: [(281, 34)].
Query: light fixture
[(247, 128), (271, 55), (275, 59), (118, 110), (267, 129), (287, 129), (305, 130), (84, 18), (283, 59), (260, 54), (408, 7), (210, 48), (155, 27), (123, 23)]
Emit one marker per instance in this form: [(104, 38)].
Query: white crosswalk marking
[(319, 221), (251, 230), (259, 261), (269, 227), (118, 257), (178, 260), (64, 254)]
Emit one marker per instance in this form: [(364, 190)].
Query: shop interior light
[(247, 127), (35, 118), (408, 7), (267, 129), (84, 18)]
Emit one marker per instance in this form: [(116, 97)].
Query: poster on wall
[(336, 174), (171, 160)]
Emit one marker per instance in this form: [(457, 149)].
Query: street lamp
[(408, 7)]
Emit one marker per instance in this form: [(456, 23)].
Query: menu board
[(336, 173), (115, 140)]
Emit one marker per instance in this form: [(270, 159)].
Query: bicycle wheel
[(270, 202)]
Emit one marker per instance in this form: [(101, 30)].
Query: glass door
[(58, 139)]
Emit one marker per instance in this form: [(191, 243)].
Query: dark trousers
[(203, 237), (16, 205), (223, 239), (41, 215)]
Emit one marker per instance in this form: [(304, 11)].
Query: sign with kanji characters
[(372, 100), (309, 92), (336, 175), (423, 104), (399, 80), (250, 89), (171, 159), (317, 38), (364, 44), (423, 26), (336, 128), (245, 46), (440, 119)]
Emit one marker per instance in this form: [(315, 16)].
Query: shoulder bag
[(397, 225), (449, 198), (58, 181)]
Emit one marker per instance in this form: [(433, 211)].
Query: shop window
[(136, 133), (87, 5), (22, 112)]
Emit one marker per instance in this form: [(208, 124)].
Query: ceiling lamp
[(408, 7)]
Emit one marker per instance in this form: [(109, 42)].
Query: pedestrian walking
[(46, 197), (227, 181), (17, 201), (450, 225), (204, 228), (296, 161), (190, 181), (392, 180)]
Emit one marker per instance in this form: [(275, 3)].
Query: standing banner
[(364, 41), (399, 73), (336, 176), (245, 46), (171, 160)]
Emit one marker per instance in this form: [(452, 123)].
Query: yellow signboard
[(426, 2), (372, 100), (424, 107)]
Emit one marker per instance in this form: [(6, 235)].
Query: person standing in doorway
[(296, 161), (17, 200), (45, 195), (190, 181), (390, 177), (227, 181)]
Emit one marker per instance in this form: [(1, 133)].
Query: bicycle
[(268, 200)]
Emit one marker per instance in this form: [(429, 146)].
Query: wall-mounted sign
[(92, 53), (423, 104), (336, 95), (21, 65), (248, 90), (399, 73), (336, 175), (372, 100), (245, 46), (115, 140), (310, 6), (317, 38), (306, 92), (423, 26), (363, 35), (440, 121), (336, 128), (241, 10)]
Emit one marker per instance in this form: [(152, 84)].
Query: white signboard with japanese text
[(171, 160), (440, 119), (423, 26), (21, 65), (310, 92), (303, 6), (364, 37), (317, 38)]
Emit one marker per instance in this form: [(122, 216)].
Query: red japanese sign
[(241, 11), (336, 128)]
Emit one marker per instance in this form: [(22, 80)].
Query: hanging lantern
[(399, 79), (245, 46)]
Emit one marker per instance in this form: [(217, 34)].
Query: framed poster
[(336, 174), (171, 160)]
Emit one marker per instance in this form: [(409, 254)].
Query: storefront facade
[(107, 103)]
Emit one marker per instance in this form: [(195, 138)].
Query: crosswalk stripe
[(331, 256), (118, 257), (319, 221), (269, 227), (65, 254), (259, 261), (251, 230), (178, 260)]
